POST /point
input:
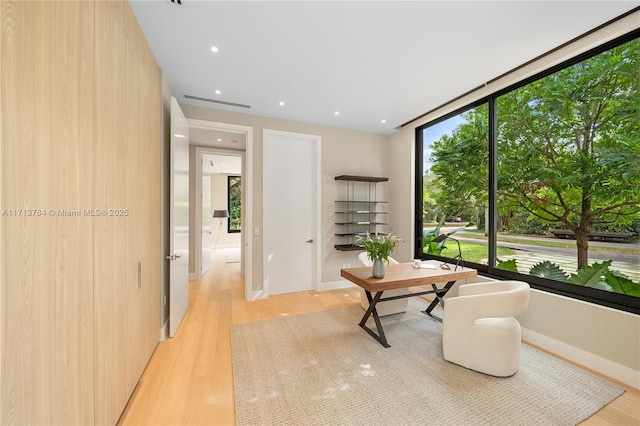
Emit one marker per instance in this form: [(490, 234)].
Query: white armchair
[(383, 308), (479, 330)]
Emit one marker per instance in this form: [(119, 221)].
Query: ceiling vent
[(177, 1), (198, 98)]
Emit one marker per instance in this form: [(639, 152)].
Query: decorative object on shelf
[(379, 247), (221, 215), (359, 212)]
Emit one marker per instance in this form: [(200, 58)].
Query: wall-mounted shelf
[(358, 211)]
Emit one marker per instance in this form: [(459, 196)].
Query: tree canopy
[(568, 148), (461, 163)]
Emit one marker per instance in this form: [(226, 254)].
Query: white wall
[(343, 152), (604, 339)]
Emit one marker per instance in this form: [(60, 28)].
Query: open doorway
[(221, 207), (220, 151)]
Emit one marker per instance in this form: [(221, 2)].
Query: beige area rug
[(322, 369)]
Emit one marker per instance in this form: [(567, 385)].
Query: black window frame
[(613, 300)]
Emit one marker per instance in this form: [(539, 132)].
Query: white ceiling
[(227, 164), (217, 139), (371, 61)]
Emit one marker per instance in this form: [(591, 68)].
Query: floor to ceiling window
[(558, 204), (455, 168)]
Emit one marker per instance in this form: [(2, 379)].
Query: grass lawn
[(472, 252)]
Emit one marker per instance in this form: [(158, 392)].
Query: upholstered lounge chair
[(479, 330), (383, 308)]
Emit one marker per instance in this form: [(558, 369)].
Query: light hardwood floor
[(189, 380)]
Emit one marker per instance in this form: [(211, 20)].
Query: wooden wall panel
[(47, 326), (26, 117), (112, 267), (148, 205), (2, 239), (71, 280), (79, 147), (150, 107), (150, 185), (134, 245), (124, 158)]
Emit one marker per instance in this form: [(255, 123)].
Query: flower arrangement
[(379, 246)]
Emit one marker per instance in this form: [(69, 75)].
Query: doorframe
[(247, 187), (200, 152), (317, 142)]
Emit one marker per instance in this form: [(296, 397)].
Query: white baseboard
[(621, 373), (257, 295), (335, 285), (193, 276)]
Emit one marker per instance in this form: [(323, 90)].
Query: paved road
[(593, 254)]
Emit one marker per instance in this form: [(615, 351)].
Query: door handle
[(310, 241), (177, 256), (170, 257)]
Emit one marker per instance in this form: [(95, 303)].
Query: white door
[(290, 202), (178, 219), (206, 240)]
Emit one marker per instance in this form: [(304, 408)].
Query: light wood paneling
[(76, 330), (2, 239), (147, 203), (26, 108), (47, 325), (71, 280), (150, 154), (113, 268), (129, 167), (127, 177)]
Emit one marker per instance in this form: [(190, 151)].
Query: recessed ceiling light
[(281, 103), (219, 140), (383, 121), (214, 49), (218, 92), (336, 113)]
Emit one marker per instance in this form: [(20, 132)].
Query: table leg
[(373, 301), (439, 298)]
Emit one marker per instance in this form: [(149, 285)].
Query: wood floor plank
[(189, 379)]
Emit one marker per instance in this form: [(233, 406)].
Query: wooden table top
[(404, 275)]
